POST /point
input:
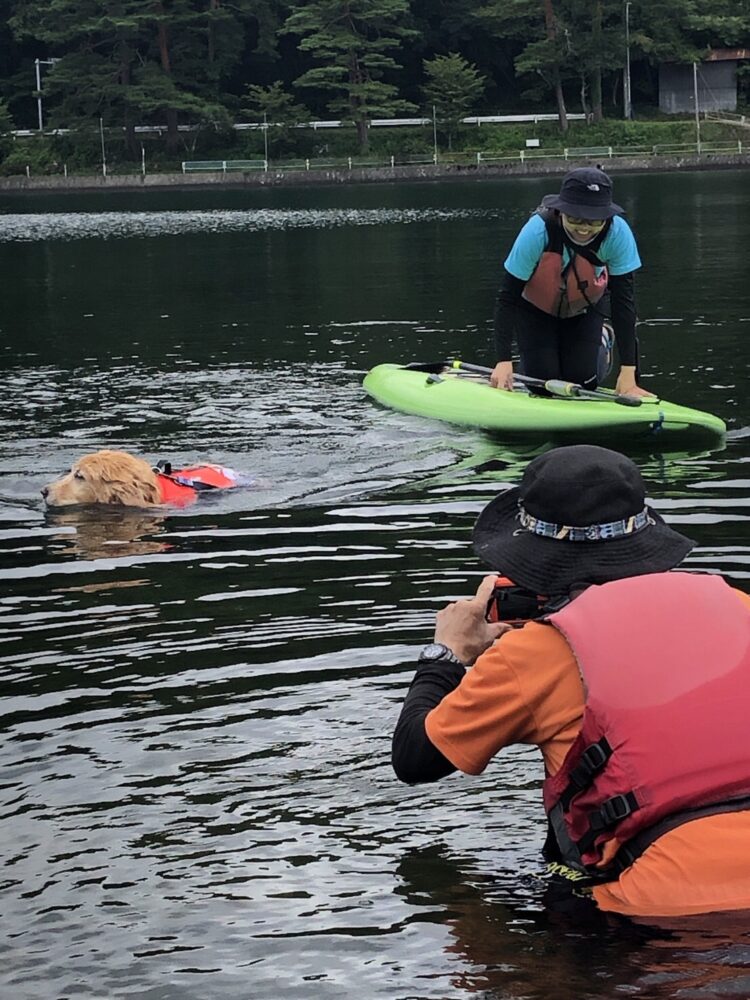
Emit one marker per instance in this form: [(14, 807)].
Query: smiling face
[(582, 230), (105, 477)]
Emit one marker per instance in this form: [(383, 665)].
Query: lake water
[(197, 705)]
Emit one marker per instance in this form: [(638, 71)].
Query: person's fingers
[(499, 628), (484, 589)]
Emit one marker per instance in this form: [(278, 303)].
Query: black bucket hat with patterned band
[(586, 193), (579, 516)]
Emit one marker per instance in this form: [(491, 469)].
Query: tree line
[(211, 63)]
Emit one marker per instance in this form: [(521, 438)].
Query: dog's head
[(105, 477)]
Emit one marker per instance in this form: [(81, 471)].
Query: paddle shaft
[(556, 387)]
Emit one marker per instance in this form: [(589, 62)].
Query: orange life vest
[(665, 663), (181, 487), (566, 291)]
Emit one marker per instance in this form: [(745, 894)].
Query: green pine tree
[(453, 87), (278, 111), (350, 42), (133, 62)]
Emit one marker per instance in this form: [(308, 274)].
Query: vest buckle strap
[(609, 814), (593, 759), (613, 811), (591, 762)]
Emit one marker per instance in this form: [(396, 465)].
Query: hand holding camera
[(463, 626), (514, 605)]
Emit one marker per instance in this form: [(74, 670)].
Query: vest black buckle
[(613, 811), (592, 760), (596, 755)]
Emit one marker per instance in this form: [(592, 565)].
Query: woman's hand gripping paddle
[(555, 387)]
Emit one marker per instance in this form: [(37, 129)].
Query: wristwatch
[(437, 652)]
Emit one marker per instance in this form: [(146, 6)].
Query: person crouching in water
[(634, 684), (572, 251)]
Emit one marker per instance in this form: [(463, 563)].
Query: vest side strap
[(565, 847), (591, 762), (606, 817), (633, 849)]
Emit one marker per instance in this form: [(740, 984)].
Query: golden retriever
[(117, 477)]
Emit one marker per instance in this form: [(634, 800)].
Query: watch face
[(435, 651)]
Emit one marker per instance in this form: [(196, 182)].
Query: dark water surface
[(197, 705)]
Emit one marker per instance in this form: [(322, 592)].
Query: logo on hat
[(592, 187)]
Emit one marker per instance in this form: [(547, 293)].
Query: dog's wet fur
[(109, 477)]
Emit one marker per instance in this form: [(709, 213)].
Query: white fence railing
[(479, 158), (609, 152), (727, 118), (222, 166)]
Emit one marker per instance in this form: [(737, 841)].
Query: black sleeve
[(622, 299), (413, 756), (506, 303)]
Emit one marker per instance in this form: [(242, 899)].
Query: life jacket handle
[(164, 468)]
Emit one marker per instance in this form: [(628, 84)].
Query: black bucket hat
[(586, 193), (579, 517)]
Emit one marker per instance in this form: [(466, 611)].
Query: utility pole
[(38, 63), (104, 155), (697, 108), (628, 107)]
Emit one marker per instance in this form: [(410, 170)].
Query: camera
[(514, 605)]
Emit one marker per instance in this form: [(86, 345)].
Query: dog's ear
[(120, 478), (135, 493)]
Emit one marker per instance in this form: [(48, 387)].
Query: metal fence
[(610, 153), (468, 158), (222, 166), (343, 163)]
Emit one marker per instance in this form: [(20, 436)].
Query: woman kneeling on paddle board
[(573, 250), (632, 681)]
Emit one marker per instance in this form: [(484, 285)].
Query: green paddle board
[(461, 398)]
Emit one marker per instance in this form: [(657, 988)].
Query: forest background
[(197, 68)]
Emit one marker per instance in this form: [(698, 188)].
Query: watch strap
[(438, 652)]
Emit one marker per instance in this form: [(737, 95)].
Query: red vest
[(566, 291), (665, 663), (182, 486)]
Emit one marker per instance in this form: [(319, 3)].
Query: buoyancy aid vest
[(182, 486), (566, 290), (665, 664)]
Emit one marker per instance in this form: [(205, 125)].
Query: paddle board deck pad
[(444, 392)]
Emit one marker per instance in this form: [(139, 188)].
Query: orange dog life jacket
[(182, 486)]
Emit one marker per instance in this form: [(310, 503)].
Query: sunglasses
[(589, 223)]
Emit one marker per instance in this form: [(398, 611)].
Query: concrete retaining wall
[(421, 172)]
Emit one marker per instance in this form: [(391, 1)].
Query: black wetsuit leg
[(553, 348)]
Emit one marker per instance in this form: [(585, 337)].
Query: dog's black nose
[(45, 491)]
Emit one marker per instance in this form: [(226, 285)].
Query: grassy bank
[(81, 153)]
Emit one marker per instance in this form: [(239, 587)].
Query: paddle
[(556, 387)]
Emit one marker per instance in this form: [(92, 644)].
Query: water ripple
[(124, 225)]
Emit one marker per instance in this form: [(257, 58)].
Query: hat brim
[(552, 566), (593, 212)]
